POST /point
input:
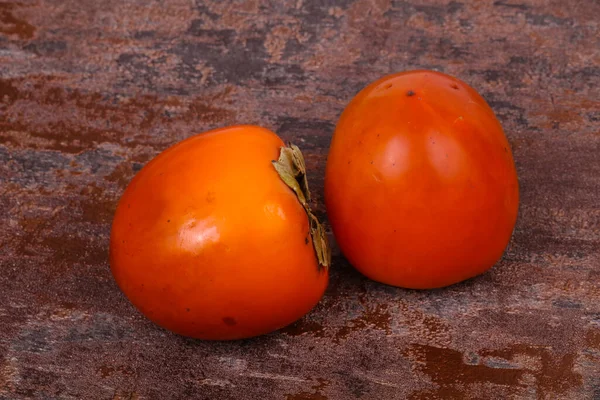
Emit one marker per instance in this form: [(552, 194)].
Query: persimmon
[(214, 238), (420, 188)]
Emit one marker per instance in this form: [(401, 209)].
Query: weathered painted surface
[(91, 90)]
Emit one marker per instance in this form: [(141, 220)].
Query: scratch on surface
[(215, 382), (236, 364), (275, 355), (380, 381), (267, 375)]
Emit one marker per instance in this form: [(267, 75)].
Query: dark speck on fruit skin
[(187, 309), (229, 321), (454, 86), (410, 93)]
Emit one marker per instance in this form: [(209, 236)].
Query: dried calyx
[(292, 170)]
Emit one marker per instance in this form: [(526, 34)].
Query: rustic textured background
[(91, 90)]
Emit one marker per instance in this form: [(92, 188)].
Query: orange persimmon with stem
[(214, 238)]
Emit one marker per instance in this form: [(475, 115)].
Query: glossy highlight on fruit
[(208, 240), (421, 189)]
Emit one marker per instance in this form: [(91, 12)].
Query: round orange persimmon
[(208, 240), (420, 187)]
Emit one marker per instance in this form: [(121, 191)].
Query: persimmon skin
[(420, 188), (208, 242)]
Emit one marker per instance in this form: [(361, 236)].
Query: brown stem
[(291, 168)]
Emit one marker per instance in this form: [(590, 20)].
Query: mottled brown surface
[(91, 90)]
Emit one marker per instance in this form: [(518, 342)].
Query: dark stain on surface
[(224, 37), (121, 175), (10, 24), (106, 371), (47, 48), (566, 303), (304, 327), (507, 110), (8, 92), (77, 121), (545, 19), (374, 317), (585, 77), (95, 206), (306, 396), (556, 373), (33, 340), (67, 250), (592, 338), (230, 321), (593, 116), (447, 368), (435, 13), (241, 61), (280, 75), (506, 4)]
